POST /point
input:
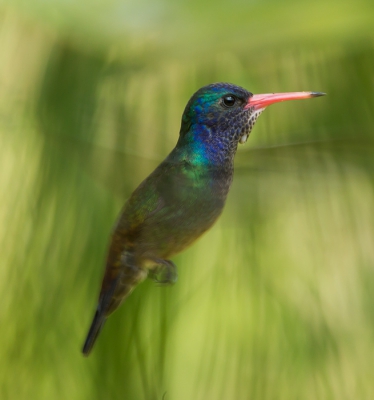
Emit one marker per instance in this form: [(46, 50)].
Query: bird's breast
[(190, 203)]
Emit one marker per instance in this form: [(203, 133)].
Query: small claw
[(165, 273)]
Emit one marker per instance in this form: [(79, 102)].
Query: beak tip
[(317, 94)]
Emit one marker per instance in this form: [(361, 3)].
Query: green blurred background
[(277, 300)]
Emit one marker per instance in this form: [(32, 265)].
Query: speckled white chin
[(251, 121), (243, 139)]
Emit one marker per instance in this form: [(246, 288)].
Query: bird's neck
[(200, 145)]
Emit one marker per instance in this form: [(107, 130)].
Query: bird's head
[(221, 115)]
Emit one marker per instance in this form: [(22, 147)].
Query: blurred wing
[(292, 157)]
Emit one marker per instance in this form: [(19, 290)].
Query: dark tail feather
[(110, 298), (100, 316), (93, 333)]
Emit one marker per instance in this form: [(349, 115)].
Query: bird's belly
[(162, 236)]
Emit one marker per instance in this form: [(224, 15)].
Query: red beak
[(259, 101)]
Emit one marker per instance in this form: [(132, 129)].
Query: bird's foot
[(165, 273)]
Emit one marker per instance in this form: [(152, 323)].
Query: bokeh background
[(277, 300)]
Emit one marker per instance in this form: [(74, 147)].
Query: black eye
[(229, 101)]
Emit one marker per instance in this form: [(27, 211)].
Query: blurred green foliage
[(276, 301)]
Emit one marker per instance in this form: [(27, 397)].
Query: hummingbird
[(183, 197)]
